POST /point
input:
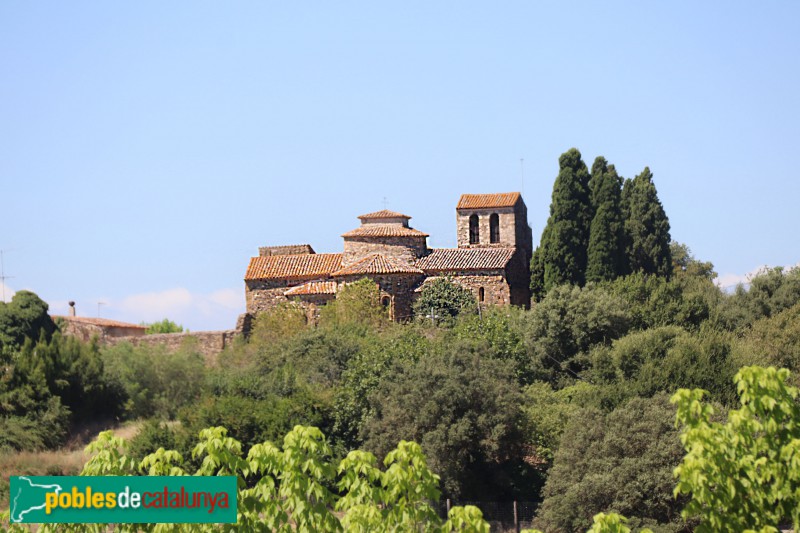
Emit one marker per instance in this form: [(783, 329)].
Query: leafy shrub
[(164, 326), (744, 473), (287, 488), (443, 299), (621, 461), (566, 324), (463, 408), (153, 380)]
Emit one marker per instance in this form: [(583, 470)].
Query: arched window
[(474, 232), (481, 294), (494, 228), (386, 302)]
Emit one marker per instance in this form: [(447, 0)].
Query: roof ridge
[(384, 213)]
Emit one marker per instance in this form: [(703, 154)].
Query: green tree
[(560, 330), (622, 462), (646, 227), (152, 380), (565, 238), (164, 326), (464, 410), (24, 317), (444, 299), (654, 301), (773, 341), (685, 264), (606, 252), (356, 305), (771, 291), (742, 474)]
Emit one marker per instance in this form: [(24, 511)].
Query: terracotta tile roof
[(378, 264), (484, 201), (293, 266), (447, 259), (384, 230), (102, 322), (383, 213), (312, 287)]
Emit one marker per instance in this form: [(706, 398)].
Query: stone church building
[(492, 260)]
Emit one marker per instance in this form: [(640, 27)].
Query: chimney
[(71, 308)]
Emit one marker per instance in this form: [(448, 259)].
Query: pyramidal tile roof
[(450, 259), (384, 230), (312, 287), (487, 201), (383, 213), (377, 264), (293, 266)]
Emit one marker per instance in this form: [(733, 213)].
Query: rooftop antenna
[(98, 308), (385, 202), (3, 276), (522, 174)]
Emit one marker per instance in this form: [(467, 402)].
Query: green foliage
[(646, 227), (604, 523), (565, 238), (743, 474), (655, 301), (444, 300), (164, 326), (770, 292), (280, 323), (502, 331), (620, 461), (45, 385), (288, 488), (357, 305), (251, 420), (661, 359), (548, 411), (773, 341), (24, 317), (154, 381), (684, 264), (364, 374), (606, 251), (463, 408), (562, 327)]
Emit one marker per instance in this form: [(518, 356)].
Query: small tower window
[(481, 295), (474, 232), (494, 228)]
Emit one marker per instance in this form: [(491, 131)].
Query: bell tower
[(494, 221)]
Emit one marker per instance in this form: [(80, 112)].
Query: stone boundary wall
[(208, 343)]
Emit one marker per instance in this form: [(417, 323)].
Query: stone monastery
[(492, 260)]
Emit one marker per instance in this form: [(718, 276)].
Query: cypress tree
[(606, 252), (561, 257), (646, 227)]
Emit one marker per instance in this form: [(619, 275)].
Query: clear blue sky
[(148, 148)]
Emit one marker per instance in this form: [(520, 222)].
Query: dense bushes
[(621, 461)]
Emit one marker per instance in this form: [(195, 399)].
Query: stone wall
[(263, 295), (207, 343), (518, 274), (496, 290), (85, 331), (508, 227), (292, 249), (407, 249)]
